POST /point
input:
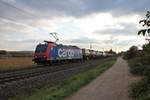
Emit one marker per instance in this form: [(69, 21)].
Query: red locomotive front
[(43, 52)]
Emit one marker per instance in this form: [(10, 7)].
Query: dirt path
[(111, 85)]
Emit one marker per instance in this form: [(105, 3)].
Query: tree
[(146, 24), (132, 52), (145, 58), (112, 52)]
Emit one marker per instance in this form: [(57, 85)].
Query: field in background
[(13, 63)]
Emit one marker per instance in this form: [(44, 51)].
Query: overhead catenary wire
[(20, 10), (15, 21)]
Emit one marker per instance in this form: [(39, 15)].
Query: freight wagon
[(91, 54)]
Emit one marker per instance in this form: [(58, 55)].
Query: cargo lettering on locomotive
[(65, 53), (70, 53)]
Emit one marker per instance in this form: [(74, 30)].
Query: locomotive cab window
[(41, 48)]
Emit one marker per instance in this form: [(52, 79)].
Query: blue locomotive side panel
[(62, 52)]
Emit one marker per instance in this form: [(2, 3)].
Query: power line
[(15, 22), (20, 10), (2, 17), (23, 12)]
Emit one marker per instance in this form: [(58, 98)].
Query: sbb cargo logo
[(65, 53)]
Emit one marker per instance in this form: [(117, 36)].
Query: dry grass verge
[(13, 63)]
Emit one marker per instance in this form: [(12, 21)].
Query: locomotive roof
[(61, 45)]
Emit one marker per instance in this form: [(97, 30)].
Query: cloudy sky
[(104, 23)]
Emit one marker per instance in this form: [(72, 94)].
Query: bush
[(145, 58), (141, 89), (140, 65), (136, 66)]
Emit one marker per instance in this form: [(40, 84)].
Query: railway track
[(23, 74)]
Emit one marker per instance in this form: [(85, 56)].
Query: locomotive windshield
[(41, 48)]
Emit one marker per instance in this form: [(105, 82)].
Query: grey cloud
[(124, 42), (109, 42), (46, 9), (128, 29), (75, 8), (27, 12), (118, 42), (26, 44), (86, 40), (12, 12), (84, 7), (83, 40)]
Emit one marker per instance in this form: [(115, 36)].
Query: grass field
[(13, 63), (68, 86)]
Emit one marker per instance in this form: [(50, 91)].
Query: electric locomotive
[(50, 52)]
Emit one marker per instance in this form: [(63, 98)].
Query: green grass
[(68, 86)]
